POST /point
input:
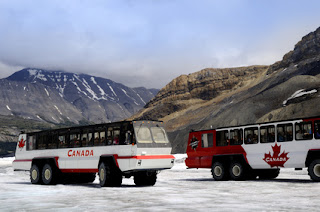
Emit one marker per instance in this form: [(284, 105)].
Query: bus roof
[(88, 126), (259, 123)]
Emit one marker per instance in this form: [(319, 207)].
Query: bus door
[(207, 149)]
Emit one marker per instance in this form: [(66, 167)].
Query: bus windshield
[(150, 132)]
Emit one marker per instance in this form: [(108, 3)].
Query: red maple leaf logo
[(276, 160), (21, 143)]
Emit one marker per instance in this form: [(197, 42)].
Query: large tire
[(267, 174), (145, 178), (49, 176), (109, 177), (218, 171), (314, 170), (35, 174), (237, 171)]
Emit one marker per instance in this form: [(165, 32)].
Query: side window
[(284, 132), (62, 141), (41, 141), (267, 134), (251, 135), (236, 137), (222, 138), (74, 140), (317, 129), (207, 140), (116, 136), (109, 135), (303, 131), (86, 138), (100, 138), (31, 142), (52, 140)]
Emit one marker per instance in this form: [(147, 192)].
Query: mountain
[(55, 98), (213, 98)]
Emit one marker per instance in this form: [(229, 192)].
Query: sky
[(149, 42)]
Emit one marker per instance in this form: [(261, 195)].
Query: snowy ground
[(177, 189)]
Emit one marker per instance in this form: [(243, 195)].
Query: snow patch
[(299, 93), (47, 91), (125, 92), (141, 99), (8, 107), (58, 109), (112, 89), (39, 117), (32, 72)]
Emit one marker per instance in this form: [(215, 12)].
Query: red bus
[(257, 150)]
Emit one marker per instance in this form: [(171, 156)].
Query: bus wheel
[(314, 170), (109, 177), (48, 175), (35, 175), (218, 171), (145, 178), (237, 171)]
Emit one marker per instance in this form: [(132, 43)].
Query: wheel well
[(312, 155), (109, 160), (40, 162)]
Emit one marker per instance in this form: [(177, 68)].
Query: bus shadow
[(19, 183), (255, 180), (196, 179), (288, 180)]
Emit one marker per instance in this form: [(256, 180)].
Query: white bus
[(113, 150)]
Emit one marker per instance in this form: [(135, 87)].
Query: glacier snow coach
[(257, 150), (113, 150)]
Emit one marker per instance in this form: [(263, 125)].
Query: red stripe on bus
[(79, 170), (26, 160), (147, 157)]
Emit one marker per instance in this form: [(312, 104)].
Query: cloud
[(148, 43)]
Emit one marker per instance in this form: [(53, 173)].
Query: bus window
[(251, 135), (159, 135), (267, 134), (100, 138), (284, 132), (236, 137), (41, 141), (303, 131), (62, 141), (317, 129), (207, 140), (143, 134), (52, 140), (116, 136), (75, 140), (222, 138), (31, 142), (86, 138), (109, 136)]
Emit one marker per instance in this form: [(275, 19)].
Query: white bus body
[(138, 158)]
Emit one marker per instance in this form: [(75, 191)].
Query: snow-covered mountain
[(60, 97)]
